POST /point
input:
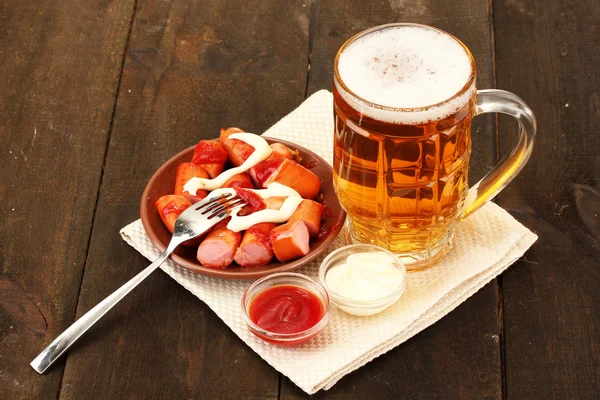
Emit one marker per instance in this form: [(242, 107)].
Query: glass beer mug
[(404, 97)]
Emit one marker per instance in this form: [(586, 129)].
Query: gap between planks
[(106, 145), (311, 36), (496, 154)]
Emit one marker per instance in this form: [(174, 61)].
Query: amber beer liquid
[(402, 185), (404, 98)]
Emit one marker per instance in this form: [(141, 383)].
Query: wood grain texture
[(458, 357), (191, 68), (60, 64), (547, 53)]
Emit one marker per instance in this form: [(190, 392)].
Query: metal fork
[(193, 222)]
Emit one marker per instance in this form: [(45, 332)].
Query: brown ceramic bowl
[(163, 181)]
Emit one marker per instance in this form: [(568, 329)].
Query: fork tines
[(225, 202), (227, 205), (213, 203)]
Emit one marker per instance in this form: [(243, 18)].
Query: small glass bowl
[(292, 279), (354, 307)]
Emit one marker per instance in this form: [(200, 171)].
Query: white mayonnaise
[(276, 189), (240, 223), (261, 152), (365, 277)]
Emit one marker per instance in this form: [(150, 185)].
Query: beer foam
[(405, 67)]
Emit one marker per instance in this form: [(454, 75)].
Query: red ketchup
[(254, 202), (286, 309), (175, 208), (209, 152), (264, 169)]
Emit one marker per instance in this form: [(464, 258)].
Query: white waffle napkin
[(485, 244)]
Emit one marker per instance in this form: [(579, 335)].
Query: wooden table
[(96, 95)]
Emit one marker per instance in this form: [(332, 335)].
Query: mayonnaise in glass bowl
[(363, 279)]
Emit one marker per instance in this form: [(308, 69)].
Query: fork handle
[(59, 345)]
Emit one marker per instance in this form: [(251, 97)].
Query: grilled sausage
[(218, 248), (264, 169), (290, 240), (169, 208), (237, 151), (239, 181), (274, 203), (187, 171), (211, 156), (255, 248), (282, 150), (310, 212), (253, 201), (294, 175)]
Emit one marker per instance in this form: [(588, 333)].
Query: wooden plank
[(192, 67), (547, 53), (60, 64), (459, 357)]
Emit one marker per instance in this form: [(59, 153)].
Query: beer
[(404, 97)]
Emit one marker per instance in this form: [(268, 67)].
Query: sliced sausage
[(239, 181), (187, 171), (169, 208), (294, 175), (218, 248), (290, 241), (255, 248), (282, 150), (264, 169), (310, 212), (237, 151), (274, 203), (254, 202), (211, 156)]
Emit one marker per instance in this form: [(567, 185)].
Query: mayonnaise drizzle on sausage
[(261, 152), (240, 223), (276, 189)]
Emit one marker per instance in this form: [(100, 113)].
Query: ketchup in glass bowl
[(286, 309)]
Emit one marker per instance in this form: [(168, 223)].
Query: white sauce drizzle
[(276, 189), (240, 223), (261, 152), (291, 203)]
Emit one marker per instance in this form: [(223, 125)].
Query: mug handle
[(500, 101)]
